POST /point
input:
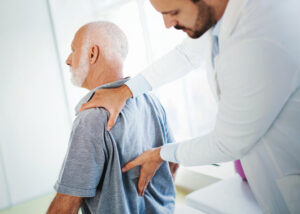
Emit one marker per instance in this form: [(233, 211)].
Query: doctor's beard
[(79, 74), (205, 20)]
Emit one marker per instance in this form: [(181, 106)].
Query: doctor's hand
[(173, 168), (112, 99), (150, 161)]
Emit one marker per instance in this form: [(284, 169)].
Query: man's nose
[(169, 21), (69, 61)]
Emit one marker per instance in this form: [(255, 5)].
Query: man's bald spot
[(89, 33), (108, 36)]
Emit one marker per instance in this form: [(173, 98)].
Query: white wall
[(34, 122), (4, 194)]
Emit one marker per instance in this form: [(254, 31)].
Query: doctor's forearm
[(170, 67), (198, 151), (188, 55)]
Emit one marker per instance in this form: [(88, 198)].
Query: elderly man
[(91, 176)]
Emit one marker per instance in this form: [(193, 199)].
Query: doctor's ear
[(94, 54)]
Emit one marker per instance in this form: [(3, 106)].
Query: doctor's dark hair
[(195, 1)]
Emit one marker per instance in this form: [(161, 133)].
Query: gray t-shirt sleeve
[(84, 162)]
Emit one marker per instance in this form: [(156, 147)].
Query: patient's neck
[(102, 75)]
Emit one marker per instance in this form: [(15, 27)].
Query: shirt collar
[(91, 93), (216, 28)]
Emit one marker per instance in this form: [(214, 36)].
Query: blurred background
[(38, 99)]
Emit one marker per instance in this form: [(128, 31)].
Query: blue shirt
[(92, 166), (215, 38)]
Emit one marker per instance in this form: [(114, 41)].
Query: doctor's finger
[(88, 105), (112, 120), (93, 103), (146, 185), (128, 166), (141, 183)]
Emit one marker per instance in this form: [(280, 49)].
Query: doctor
[(254, 71)]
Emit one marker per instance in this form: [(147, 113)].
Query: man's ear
[(94, 54)]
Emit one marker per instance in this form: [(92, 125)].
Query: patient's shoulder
[(151, 98), (92, 117), (154, 101)]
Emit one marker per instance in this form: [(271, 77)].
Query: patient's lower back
[(99, 156)]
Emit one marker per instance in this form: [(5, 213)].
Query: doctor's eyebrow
[(171, 12)]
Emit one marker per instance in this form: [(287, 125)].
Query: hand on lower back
[(150, 161), (112, 99)]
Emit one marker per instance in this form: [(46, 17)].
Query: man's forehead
[(166, 6), (77, 38), (72, 45)]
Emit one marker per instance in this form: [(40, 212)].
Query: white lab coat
[(256, 82)]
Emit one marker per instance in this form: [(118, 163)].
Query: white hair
[(111, 39)]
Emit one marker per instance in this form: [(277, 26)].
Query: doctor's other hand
[(173, 168), (150, 161), (112, 99)]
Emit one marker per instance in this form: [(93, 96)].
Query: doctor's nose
[(169, 21), (69, 60)]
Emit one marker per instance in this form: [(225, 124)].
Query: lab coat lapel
[(229, 21), (211, 73)]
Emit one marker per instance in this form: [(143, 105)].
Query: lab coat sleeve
[(189, 55), (256, 79)]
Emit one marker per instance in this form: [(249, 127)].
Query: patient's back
[(99, 156)]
